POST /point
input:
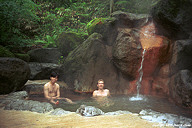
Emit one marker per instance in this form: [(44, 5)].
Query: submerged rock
[(16, 101), (89, 111), (29, 105)]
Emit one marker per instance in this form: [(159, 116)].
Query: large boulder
[(127, 52), (67, 41), (108, 27), (14, 73), (182, 53), (130, 20), (90, 62), (180, 88), (41, 71), (173, 18), (45, 55)]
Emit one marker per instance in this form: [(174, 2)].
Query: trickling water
[(138, 96)]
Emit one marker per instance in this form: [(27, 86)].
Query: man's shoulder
[(46, 85), (95, 91), (107, 90), (57, 84)]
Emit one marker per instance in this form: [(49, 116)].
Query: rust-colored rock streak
[(156, 52)]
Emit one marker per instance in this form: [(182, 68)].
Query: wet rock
[(59, 112), (29, 105), (17, 101), (17, 95), (167, 119), (181, 87), (45, 55), (41, 71), (89, 111), (14, 73)]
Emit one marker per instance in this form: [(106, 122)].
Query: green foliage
[(48, 42), (93, 23), (24, 57), (40, 22), (15, 15), (5, 52)]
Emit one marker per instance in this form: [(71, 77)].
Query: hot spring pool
[(122, 102)]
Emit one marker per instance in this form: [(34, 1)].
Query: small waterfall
[(138, 96), (140, 73)]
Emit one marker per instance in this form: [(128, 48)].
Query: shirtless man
[(101, 92), (51, 90)]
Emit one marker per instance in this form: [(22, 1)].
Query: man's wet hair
[(54, 74)]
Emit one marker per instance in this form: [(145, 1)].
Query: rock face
[(90, 62), (127, 52), (45, 55), (14, 73), (41, 71), (181, 88), (182, 53), (174, 17), (68, 41)]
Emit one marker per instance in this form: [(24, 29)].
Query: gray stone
[(89, 111), (29, 105), (166, 119)]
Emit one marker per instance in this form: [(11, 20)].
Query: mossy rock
[(24, 57), (67, 41), (104, 26), (5, 52), (97, 25)]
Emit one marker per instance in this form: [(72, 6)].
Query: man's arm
[(58, 91), (108, 93), (94, 94)]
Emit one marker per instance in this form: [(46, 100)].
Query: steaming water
[(122, 102), (139, 97)]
